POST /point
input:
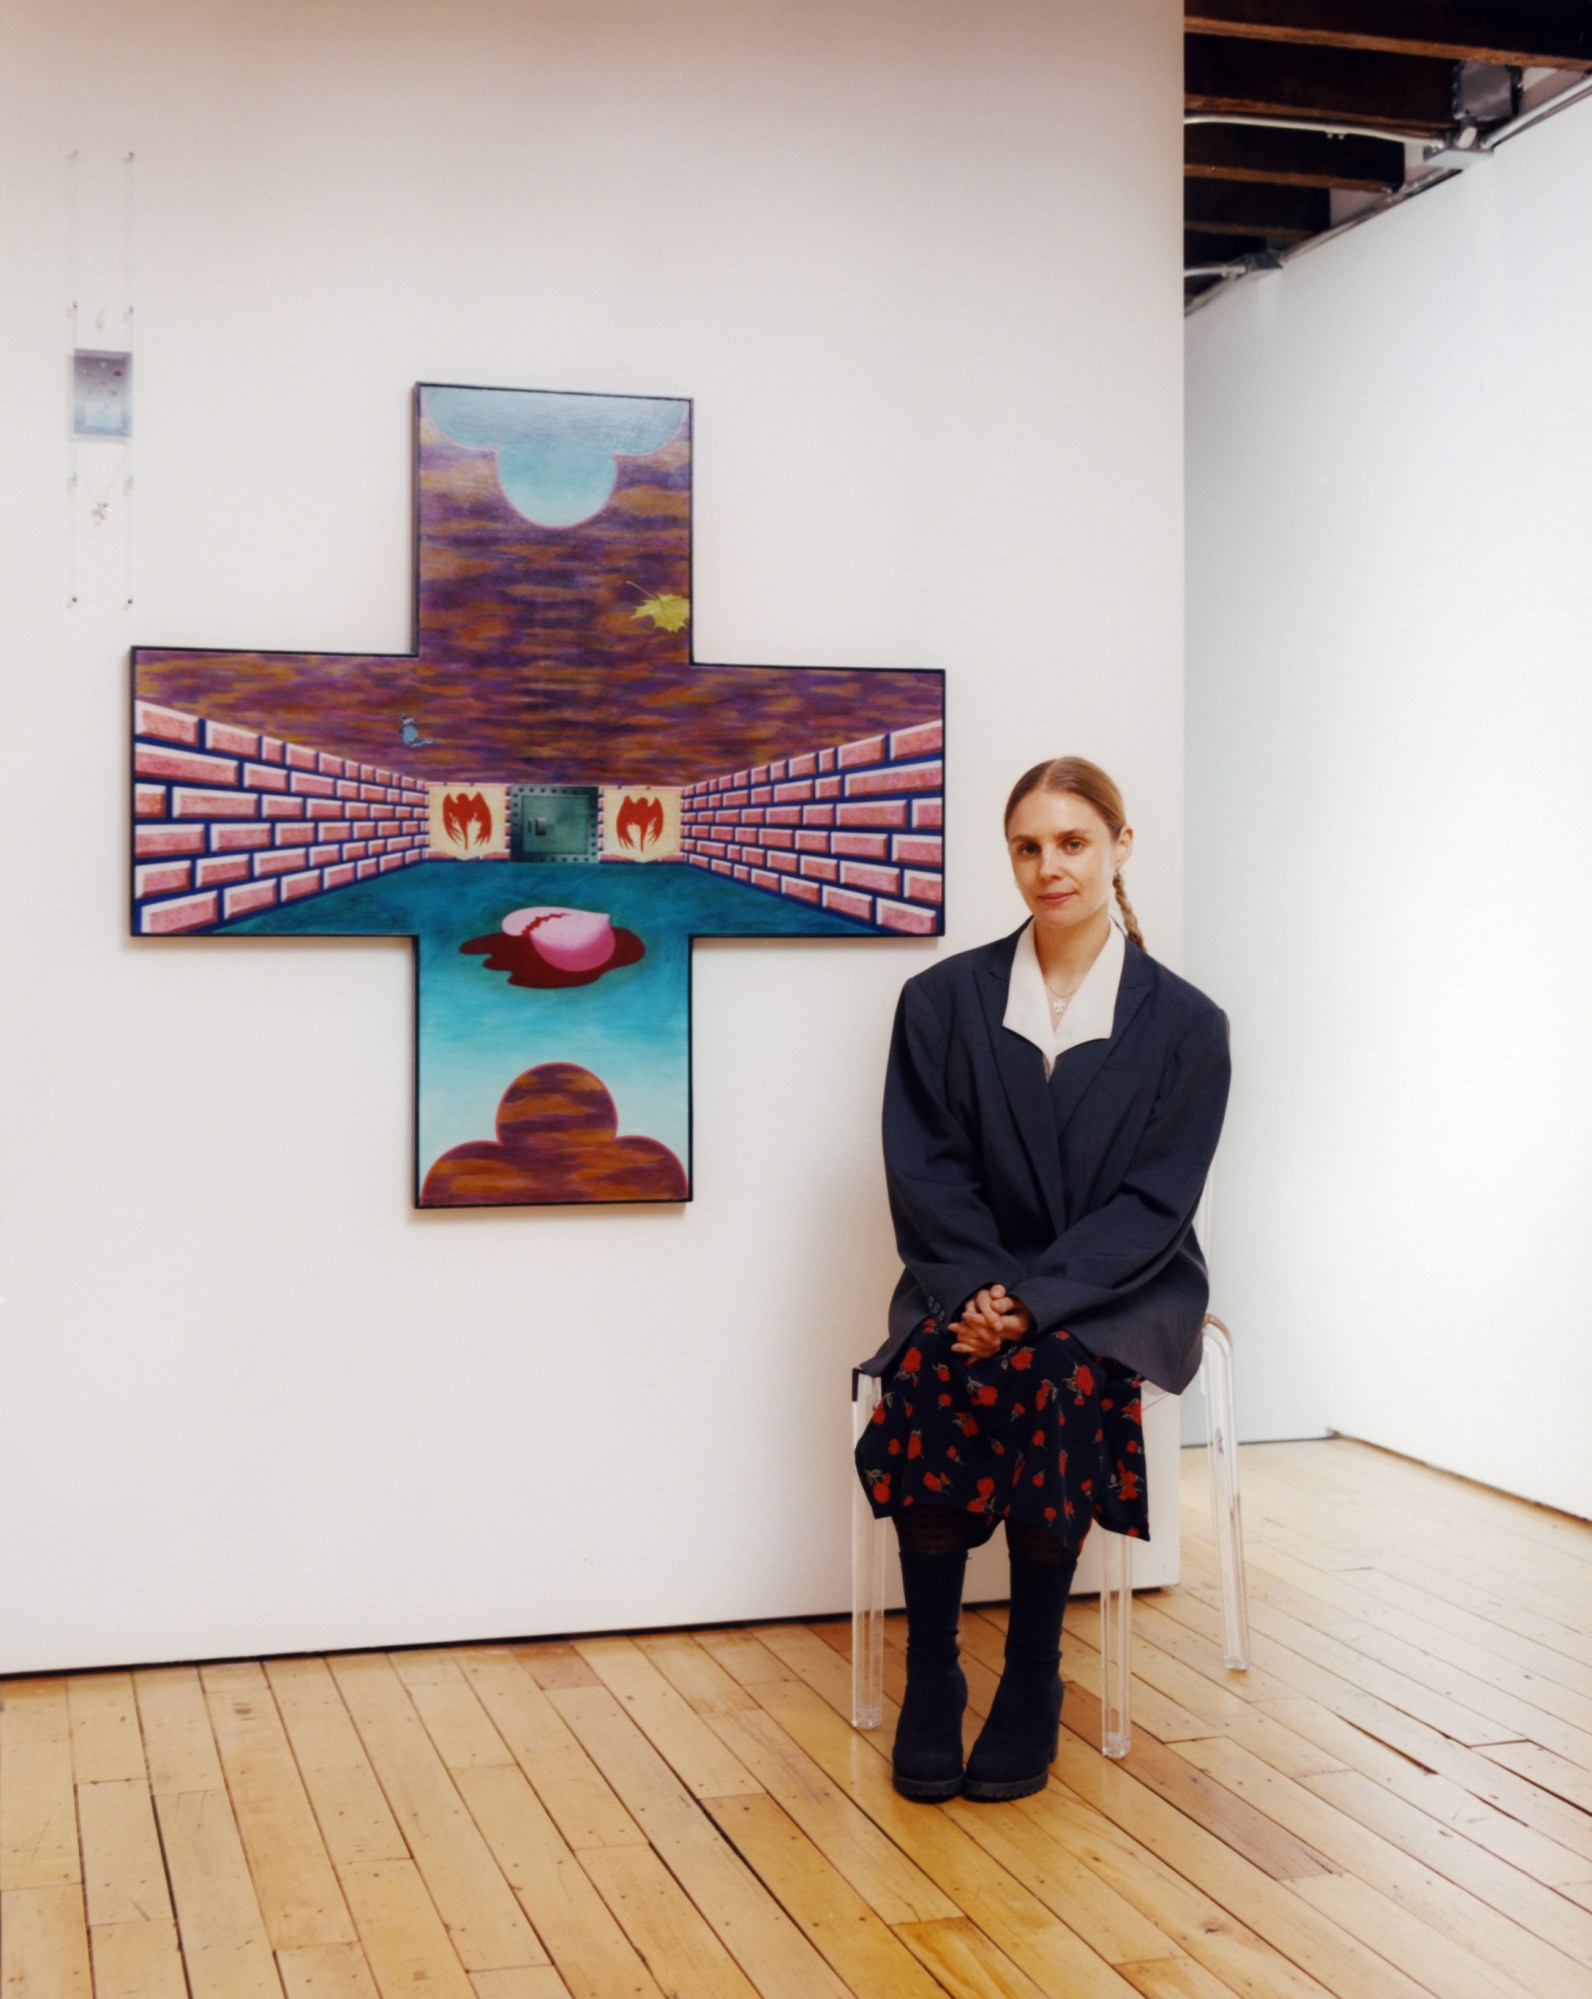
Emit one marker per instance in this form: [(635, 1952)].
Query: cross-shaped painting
[(549, 794)]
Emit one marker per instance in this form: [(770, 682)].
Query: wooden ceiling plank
[(1291, 159), (1347, 86), (1552, 33), (1250, 210), (1200, 248)]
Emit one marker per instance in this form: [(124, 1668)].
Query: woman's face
[(1063, 857)]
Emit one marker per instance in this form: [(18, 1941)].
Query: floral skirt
[(1043, 1430)]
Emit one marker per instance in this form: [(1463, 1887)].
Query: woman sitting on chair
[(1052, 1105)]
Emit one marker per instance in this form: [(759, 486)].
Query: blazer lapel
[(1022, 1072), (1078, 1067)]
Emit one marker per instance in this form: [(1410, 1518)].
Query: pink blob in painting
[(575, 940)]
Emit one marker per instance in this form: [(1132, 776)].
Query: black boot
[(1019, 1739), (926, 1761)]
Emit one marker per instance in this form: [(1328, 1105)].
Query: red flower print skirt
[(1043, 1430)]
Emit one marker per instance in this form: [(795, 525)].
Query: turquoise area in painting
[(476, 1032)]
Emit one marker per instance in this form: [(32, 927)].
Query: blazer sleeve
[(1122, 1246), (945, 1232)]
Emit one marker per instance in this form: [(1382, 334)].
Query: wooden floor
[(1395, 1802)]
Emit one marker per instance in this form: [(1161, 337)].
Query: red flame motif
[(467, 819), (641, 818)]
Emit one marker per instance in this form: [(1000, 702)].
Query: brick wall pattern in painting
[(228, 822), (856, 828)]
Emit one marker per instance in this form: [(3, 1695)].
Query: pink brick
[(784, 815), (271, 751), (192, 912), (804, 766), (161, 878), (920, 887), (244, 901), (878, 881), (803, 891), (283, 808), (736, 798), (826, 760), (304, 785), (819, 869), (186, 804), (265, 777), (168, 840), (355, 851), (867, 750), (828, 787), (900, 916), (720, 867), (741, 779), (338, 877), (295, 886), (922, 850), (818, 815), (237, 839), (295, 835), (762, 794), (277, 863), (754, 815), (784, 864), (860, 846), (844, 903), (367, 868), (329, 766), (758, 776), (298, 759), (743, 874), (332, 829), (383, 812), (794, 794), (183, 767), (886, 812), (928, 811), (812, 843), (389, 861), (326, 808), (221, 868), (778, 836), (230, 742), (168, 725), (149, 801), (761, 879), (319, 856), (346, 788), (899, 777), (927, 739)]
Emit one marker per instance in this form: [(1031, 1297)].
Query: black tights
[(944, 1530)]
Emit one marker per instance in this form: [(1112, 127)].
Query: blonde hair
[(1081, 779)]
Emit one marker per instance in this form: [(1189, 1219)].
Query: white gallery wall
[(1390, 819), (916, 262)]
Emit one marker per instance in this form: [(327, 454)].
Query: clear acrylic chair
[(872, 1539)]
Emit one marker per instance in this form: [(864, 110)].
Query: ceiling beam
[(1202, 248), (1338, 86), (1552, 33), (1242, 208), (1291, 159)]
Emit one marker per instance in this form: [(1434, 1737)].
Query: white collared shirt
[(1090, 1012)]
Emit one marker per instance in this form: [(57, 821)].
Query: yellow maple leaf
[(667, 612)]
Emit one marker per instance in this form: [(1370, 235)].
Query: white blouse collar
[(1091, 1011)]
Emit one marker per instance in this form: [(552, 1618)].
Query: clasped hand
[(990, 1316)]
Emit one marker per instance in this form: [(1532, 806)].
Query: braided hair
[(1089, 782)]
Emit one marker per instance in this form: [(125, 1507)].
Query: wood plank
[(1555, 34), (44, 1944), (530, 1982), (106, 1745), (1291, 159), (674, 1938), (1174, 1978), (458, 1725), (175, 1724), (224, 1944), (326, 1971), (404, 1941), (1337, 86), (293, 1876), (702, 1762), (564, 1777), (1238, 208), (767, 1945), (485, 1923), (959, 1958), (594, 1956), (137, 1961), (38, 1810), (123, 1870), (553, 1662), (355, 1820), (690, 1671)]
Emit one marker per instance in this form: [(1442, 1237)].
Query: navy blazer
[(1077, 1192)]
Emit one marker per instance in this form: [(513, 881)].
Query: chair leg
[(1116, 1642), (869, 1547), (1227, 1527)]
